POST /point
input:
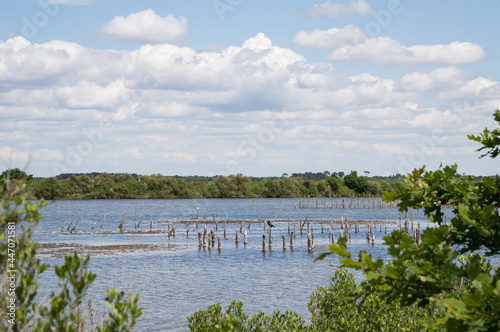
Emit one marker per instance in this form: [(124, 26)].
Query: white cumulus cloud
[(334, 10), (145, 27), (330, 38), (441, 78), (385, 51)]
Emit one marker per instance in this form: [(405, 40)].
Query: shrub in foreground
[(19, 310)]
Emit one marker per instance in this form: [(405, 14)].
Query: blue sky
[(256, 87)]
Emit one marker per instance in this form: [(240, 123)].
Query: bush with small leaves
[(465, 290), (19, 310)]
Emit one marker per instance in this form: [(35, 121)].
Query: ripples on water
[(173, 284)]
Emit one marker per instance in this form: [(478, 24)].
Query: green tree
[(374, 188), (227, 187), (343, 306), (466, 293), (334, 182), (13, 178), (47, 188), (20, 270), (357, 183)]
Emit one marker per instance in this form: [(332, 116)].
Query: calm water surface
[(173, 284)]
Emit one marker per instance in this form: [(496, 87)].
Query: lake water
[(176, 279)]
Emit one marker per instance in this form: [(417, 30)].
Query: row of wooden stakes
[(207, 240), (353, 203)]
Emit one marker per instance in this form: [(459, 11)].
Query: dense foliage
[(118, 186), (19, 309), (465, 290)]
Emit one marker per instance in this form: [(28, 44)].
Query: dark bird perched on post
[(270, 224)]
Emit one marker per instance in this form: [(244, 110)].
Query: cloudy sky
[(238, 86)]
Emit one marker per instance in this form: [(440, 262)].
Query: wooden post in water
[(103, 221), (122, 221), (219, 246), (245, 238), (241, 227), (309, 243), (264, 243), (150, 222), (270, 237), (140, 219), (213, 236), (200, 243), (187, 230), (304, 223), (205, 239), (237, 239), (291, 240), (289, 223), (69, 224), (135, 220), (225, 237), (284, 242), (74, 226)]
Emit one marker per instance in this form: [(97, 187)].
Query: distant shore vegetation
[(156, 186)]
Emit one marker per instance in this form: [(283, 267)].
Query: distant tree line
[(157, 186)]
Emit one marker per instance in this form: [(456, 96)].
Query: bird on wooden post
[(270, 224)]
